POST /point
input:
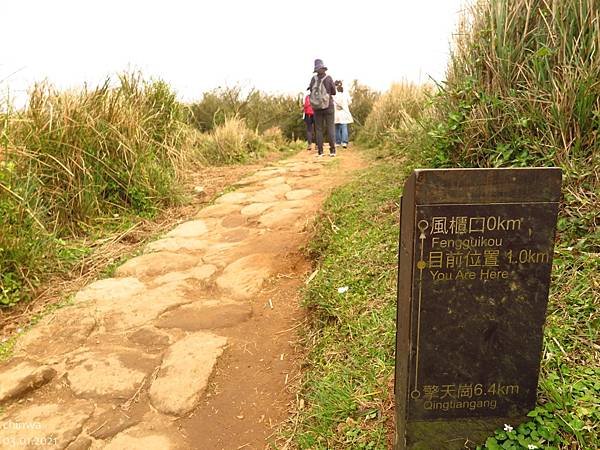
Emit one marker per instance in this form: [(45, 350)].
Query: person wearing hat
[(322, 86), (342, 115)]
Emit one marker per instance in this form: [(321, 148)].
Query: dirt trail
[(190, 345)]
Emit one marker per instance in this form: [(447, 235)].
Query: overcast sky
[(199, 45)]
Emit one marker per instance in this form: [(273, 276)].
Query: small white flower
[(532, 447), (19, 330), (507, 428), (342, 289)]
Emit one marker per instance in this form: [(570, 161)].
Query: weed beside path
[(347, 390), (346, 398), (111, 244)]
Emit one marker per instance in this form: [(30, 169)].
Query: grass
[(75, 163), (259, 110), (7, 346), (522, 90), (71, 159), (347, 387)]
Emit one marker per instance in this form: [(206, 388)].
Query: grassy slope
[(347, 387)]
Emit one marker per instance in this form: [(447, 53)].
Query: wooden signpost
[(475, 258)]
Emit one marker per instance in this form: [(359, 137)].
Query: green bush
[(395, 123), (71, 157), (259, 110), (231, 142), (362, 100)]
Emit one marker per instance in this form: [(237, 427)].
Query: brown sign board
[(474, 267)]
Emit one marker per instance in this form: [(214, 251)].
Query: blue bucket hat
[(319, 65)]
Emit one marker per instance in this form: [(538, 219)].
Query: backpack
[(319, 97)]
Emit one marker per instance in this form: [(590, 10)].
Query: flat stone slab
[(153, 432), (244, 277), (255, 209), (149, 442), (150, 338), (114, 289), (111, 372), (48, 426), (233, 221), (154, 264), (143, 308), (298, 194), (273, 181), (21, 376), (201, 272), (176, 244), (232, 197), (218, 210), (280, 189), (110, 423), (280, 218), (67, 329), (193, 228), (265, 196), (185, 371), (202, 315)]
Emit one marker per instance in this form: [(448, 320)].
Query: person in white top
[(342, 115)]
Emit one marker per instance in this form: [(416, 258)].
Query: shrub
[(231, 142), (395, 118), (260, 111), (71, 157), (362, 100), (523, 90)]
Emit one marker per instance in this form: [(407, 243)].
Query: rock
[(255, 209), (152, 339), (108, 424), (280, 189), (244, 277), (48, 426), (273, 181), (184, 372), (156, 264), (218, 210), (67, 329), (202, 272), (21, 376), (264, 196), (114, 289), (199, 190), (233, 221), (149, 442), (154, 432), (81, 443), (234, 235), (221, 254), (280, 218), (114, 372), (298, 194), (142, 309), (175, 244), (205, 315), (232, 197), (193, 228)]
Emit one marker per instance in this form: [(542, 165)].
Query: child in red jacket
[(309, 120)]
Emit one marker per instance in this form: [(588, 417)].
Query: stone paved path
[(131, 365)]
